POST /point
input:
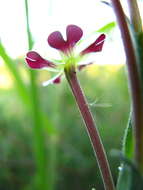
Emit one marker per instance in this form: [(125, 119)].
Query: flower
[(66, 49)]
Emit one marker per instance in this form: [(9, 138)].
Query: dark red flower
[(73, 33), (56, 40)]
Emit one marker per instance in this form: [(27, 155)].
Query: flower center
[(69, 58)]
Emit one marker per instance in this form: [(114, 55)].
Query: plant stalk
[(91, 129), (134, 83), (135, 15), (39, 140)]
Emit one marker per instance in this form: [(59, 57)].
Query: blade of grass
[(128, 152), (39, 142), (44, 172), (22, 90)]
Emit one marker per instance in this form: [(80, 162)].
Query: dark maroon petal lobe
[(35, 61), (57, 41), (96, 46), (57, 80), (74, 33)]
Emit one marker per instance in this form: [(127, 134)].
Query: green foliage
[(30, 97), (12, 67), (45, 165), (128, 141), (68, 147), (130, 177), (107, 28), (31, 156), (125, 172)]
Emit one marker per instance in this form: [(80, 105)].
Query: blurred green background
[(70, 160), (43, 141)]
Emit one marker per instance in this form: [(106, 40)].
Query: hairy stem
[(134, 81), (91, 129)]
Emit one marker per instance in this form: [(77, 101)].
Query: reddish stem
[(91, 129), (135, 82)]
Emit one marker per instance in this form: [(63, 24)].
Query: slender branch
[(135, 83), (91, 129)]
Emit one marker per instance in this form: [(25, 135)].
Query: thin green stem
[(29, 35), (40, 146), (134, 81), (91, 129)]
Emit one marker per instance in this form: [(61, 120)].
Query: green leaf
[(130, 178), (107, 28), (128, 141), (124, 179), (128, 175)]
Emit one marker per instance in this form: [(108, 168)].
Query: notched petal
[(35, 61), (96, 46), (57, 41), (74, 34)]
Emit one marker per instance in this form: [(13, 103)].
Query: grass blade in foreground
[(22, 90), (39, 141)]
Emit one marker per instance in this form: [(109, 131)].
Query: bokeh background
[(43, 142)]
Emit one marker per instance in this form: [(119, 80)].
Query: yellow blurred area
[(97, 70), (93, 71), (44, 76), (6, 80)]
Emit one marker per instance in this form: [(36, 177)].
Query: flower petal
[(96, 46), (74, 33), (56, 41), (35, 61), (55, 80)]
